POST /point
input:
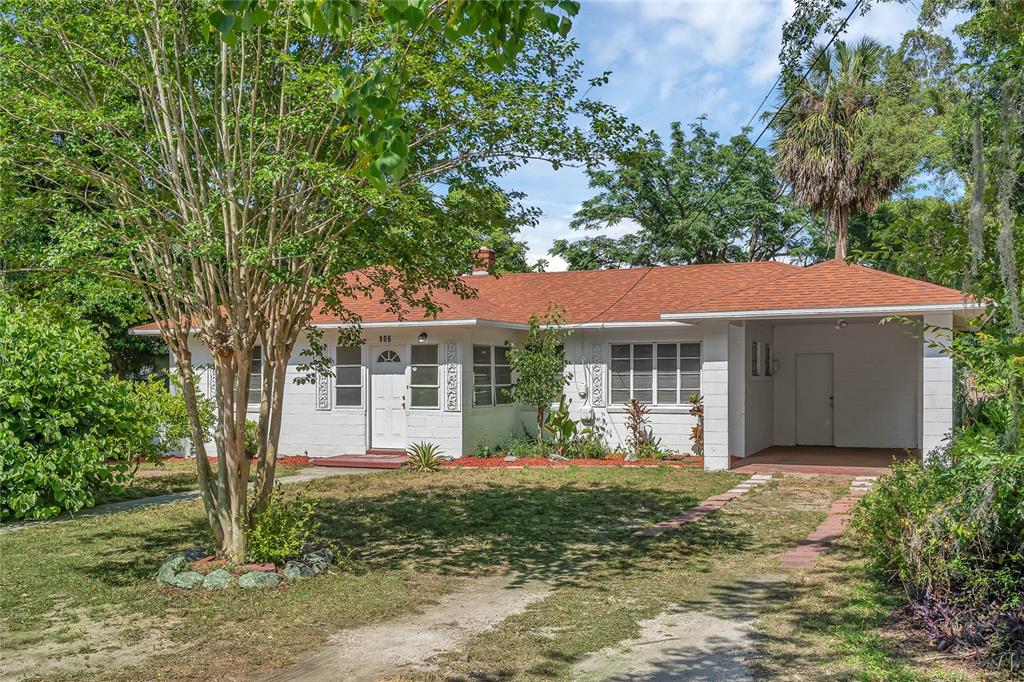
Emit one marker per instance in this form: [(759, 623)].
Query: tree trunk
[(842, 228), (540, 423)]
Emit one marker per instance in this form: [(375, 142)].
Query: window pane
[(689, 365), (620, 381), (620, 351), (666, 396), (643, 396), (667, 365), (643, 364), (504, 396), (620, 366), (500, 355), (689, 350), (347, 376), (424, 376), (666, 350), (482, 396), (482, 355), (481, 375), (642, 380), (424, 355), (257, 353), (689, 383), (348, 355), (254, 393), (346, 396), (423, 397), (502, 375), (620, 396), (643, 350)]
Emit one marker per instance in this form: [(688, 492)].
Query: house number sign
[(386, 338)]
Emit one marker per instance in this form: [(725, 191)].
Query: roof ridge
[(643, 268)]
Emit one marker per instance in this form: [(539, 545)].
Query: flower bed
[(284, 460), (499, 463)]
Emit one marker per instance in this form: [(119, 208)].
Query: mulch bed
[(500, 463)]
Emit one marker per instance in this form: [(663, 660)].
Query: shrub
[(278, 534), (251, 433), (424, 456), (950, 533), (69, 430), (564, 429), (524, 447), (641, 441)]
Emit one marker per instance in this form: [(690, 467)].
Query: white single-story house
[(782, 355)]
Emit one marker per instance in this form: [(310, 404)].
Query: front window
[(655, 373), (256, 376), (425, 383), (492, 376), (348, 377)]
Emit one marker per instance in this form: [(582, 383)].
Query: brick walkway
[(806, 552), (704, 508)]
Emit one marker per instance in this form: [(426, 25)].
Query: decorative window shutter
[(596, 376), (451, 376)]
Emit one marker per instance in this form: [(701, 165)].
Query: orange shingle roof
[(645, 294)]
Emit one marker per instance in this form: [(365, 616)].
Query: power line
[(743, 157)]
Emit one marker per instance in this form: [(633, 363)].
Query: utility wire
[(743, 157)]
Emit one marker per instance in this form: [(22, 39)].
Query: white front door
[(814, 399), (387, 379)]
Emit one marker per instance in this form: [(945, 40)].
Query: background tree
[(538, 364), (237, 182), (819, 125), (497, 218), (698, 201)]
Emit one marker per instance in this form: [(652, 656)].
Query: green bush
[(251, 434), (524, 447), (951, 534), (69, 430), (278, 534)]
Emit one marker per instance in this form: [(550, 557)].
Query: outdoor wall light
[(422, 338), (840, 323)]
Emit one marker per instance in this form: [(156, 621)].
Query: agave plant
[(424, 456)]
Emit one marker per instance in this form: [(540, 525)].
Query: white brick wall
[(937, 383), (715, 384)]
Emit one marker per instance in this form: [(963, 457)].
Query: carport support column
[(714, 377), (936, 382)]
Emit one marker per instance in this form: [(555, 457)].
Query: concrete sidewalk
[(308, 474)]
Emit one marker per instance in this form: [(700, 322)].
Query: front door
[(814, 399), (387, 379)]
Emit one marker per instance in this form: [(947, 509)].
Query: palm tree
[(819, 147)]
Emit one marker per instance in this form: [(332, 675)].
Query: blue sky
[(673, 60)]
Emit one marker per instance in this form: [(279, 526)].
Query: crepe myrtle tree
[(538, 364), (237, 174)]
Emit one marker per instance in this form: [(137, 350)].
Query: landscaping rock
[(557, 458), (187, 580), (511, 458), (170, 569), (257, 579), (294, 570), (194, 554), (319, 560), (218, 580), (632, 458)]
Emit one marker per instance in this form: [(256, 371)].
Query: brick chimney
[(483, 261)]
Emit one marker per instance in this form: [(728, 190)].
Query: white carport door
[(814, 399)]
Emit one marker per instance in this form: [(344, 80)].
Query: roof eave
[(966, 308)]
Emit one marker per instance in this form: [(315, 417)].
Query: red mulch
[(500, 463)]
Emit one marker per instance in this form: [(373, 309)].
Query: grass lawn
[(169, 476), (78, 600)]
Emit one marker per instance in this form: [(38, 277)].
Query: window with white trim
[(768, 371), (492, 376), (755, 358), (654, 373), (424, 384), (348, 377), (256, 376)]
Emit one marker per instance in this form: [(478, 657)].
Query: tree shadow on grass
[(537, 532)]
